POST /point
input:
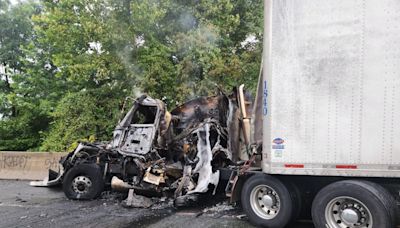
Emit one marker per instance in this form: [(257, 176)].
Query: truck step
[(231, 183)]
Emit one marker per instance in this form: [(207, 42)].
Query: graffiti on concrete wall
[(8, 161), (52, 163), (28, 165)]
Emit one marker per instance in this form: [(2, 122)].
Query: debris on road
[(222, 206), (138, 201)]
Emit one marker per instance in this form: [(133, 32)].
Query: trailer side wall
[(332, 88)]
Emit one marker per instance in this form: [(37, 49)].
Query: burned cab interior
[(140, 128)]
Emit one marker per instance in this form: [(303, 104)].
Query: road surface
[(25, 206)]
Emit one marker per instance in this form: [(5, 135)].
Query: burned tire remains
[(83, 182)]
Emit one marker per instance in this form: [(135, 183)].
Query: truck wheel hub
[(265, 202), (350, 216), (268, 200), (346, 212), (81, 184)]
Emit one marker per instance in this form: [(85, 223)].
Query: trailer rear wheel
[(351, 203), (267, 202)]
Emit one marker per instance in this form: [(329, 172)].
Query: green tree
[(91, 45), (76, 60), (195, 46), (20, 121)]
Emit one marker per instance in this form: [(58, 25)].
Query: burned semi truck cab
[(155, 152)]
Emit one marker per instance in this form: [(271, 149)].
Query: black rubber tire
[(297, 202), (286, 211), (377, 199), (91, 171)]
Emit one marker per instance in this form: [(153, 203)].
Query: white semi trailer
[(329, 98)]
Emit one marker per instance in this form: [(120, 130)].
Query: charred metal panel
[(138, 139), (196, 111)]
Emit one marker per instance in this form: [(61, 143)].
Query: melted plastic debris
[(203, 167)]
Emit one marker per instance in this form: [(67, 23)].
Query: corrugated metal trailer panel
[(332, 89)]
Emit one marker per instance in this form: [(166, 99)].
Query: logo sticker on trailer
[(278, 141), (278, 144), (278, 147)]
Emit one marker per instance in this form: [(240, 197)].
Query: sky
[(16, 1)]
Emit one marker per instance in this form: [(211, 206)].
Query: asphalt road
[(25, 206)]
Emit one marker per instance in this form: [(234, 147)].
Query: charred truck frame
[(156, 152)]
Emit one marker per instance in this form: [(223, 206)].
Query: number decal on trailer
[(265, 95)]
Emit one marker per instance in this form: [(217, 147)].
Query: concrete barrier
[(28, 165)]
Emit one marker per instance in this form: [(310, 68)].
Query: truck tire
[(296, 200), (83, 182), (354, 203), (267, 201)]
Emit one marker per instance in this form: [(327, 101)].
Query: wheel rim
[(81, 184), (265, 201), (346, 212)]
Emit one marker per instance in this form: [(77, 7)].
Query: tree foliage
[(70, 63), (21, 120)]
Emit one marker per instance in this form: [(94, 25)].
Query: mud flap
[(53, 179)]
